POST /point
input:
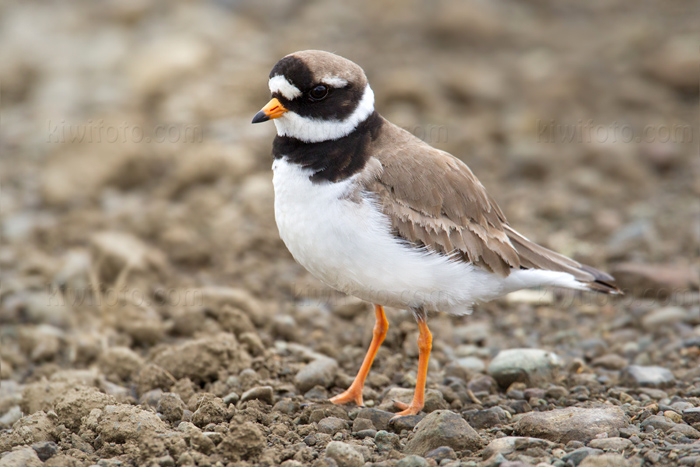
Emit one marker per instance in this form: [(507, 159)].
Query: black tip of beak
[(260, 117)]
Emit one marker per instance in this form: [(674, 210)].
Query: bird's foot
[(406, 409), (352, 394)]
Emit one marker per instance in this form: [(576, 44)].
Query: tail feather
[(534, 256)]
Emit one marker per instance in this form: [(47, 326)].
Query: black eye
[(319, 92)]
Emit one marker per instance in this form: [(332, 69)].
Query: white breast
[(346, 242)]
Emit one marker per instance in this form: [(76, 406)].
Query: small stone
[(386, 441), (530, 366), (605, 460), (171, 406), (509, 444), (662, 317), (22, 457), (210, 409), (319, 372), (413, 461), (316, 393), (577, 456), (441, 453), (45, 450), (648, 376), (366, 433), (691, 416), (658, 422), (332, 425), (443, 428), (380, 418), (407, 423), (262, 393), (362, 424), (286, 406), (675, 417), (610, 444), (473, 364), (231, 398), (344, 454), (612, 362), (487, 418), (556, 392), (572, 423)]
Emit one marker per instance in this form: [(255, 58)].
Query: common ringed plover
[(374, 212)]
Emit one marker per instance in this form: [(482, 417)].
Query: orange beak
[(273, 109)]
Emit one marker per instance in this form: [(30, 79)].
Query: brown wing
[(433, 199)]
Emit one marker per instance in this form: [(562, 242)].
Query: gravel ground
[(150, 314)]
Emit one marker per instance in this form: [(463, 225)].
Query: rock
[(201, 360), (77, 403), (658, 422), (572, 423), (443, 428), (152, 377), (433, 399), (691, 416), (35, 428), (530, 366), (115, 251), (675, 63), (319, 372), (413, 461), (577, 456), (360, 424), (208, 409), (647, 376), (509, 444), (610, 444), (662, 317), (343, 454), (119, 423), (21, 457), (261, 393), (441, 453), (656, 281), (487, 418), (332, 425), (11, 416), (610, 362), (120, 364), (675, 417), (407, 423), (605, 460), (473, 364), (244, 441), (171, 406), (45, 450), (380, 418)]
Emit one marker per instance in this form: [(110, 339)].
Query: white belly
[(348, 245)]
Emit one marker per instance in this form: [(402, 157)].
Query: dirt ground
[(150, 315)]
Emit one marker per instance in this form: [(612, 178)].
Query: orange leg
[(425, 344), (354, 392)]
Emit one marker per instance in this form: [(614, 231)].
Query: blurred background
[(131, 175)]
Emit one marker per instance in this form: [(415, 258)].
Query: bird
[(373, 211)]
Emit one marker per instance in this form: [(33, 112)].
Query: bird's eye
[(319, 92)]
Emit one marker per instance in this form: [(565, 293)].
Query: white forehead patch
[(334, 81), (280, 84)]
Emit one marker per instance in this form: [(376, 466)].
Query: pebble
[(343, 454), (667, 316), (509, 444), (360, 424), (572, 423), (262, 393), (171, 406), (22, 457), (443, 428), (675, 417), (647, 376), (407, 423), (231, 398), (45, 450), (413, 461), (610, 444), (530, 366), (691, 416), (577, 456), (441, 453), (487, 418), (612, 362), (658, 422), (332, 425), (319, 372)]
